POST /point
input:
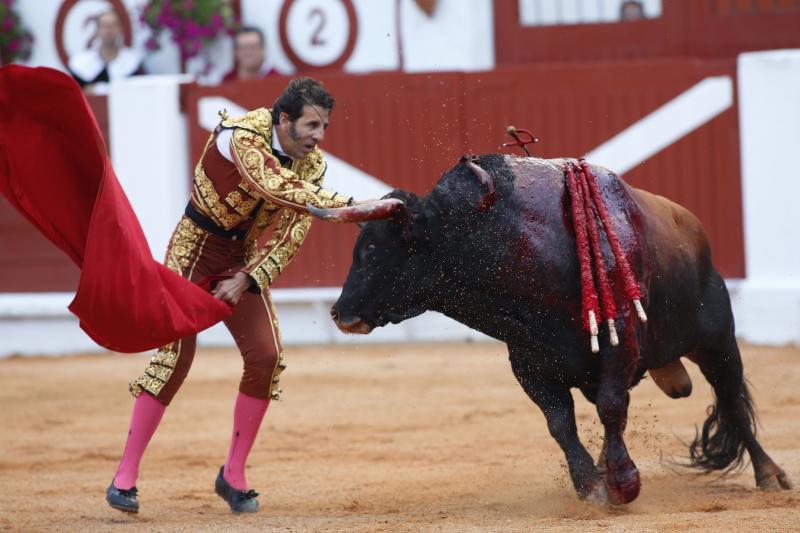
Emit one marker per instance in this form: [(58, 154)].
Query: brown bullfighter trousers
[(195, 254)]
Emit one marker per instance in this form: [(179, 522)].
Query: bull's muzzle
[(350, 325)]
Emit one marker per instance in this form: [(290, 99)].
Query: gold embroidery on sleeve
[(278, 184)]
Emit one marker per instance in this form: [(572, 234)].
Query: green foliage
[(16, 42)]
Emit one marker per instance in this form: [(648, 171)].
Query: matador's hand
[(231, 290)]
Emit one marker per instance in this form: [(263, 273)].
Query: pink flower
[(191, 29), (13, 46), (8, 24), (183, 21), (191, 47)]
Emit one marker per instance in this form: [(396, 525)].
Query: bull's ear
[(414, 226), (489, 197)]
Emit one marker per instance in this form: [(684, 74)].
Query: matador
[(258, 171)]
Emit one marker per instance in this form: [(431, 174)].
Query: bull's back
[(664, 243), (545, 251)]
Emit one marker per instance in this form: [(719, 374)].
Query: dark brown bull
[(493, 247)]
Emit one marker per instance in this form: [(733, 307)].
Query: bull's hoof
[(775, 482), (624, 493), (595, 493), (623, 483)]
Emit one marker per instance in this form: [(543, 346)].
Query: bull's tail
[(721, 444)]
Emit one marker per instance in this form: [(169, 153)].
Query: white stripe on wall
[(661, 128)]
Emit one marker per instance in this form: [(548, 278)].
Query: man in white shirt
[(107, 59)]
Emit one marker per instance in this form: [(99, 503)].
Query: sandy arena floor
[(385, 438)]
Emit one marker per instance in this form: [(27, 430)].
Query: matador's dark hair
[(300, 92)]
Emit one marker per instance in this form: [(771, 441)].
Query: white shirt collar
[(276, 143)]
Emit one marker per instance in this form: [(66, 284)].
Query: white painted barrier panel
[(39, 324), (767, 303), (148, 150)]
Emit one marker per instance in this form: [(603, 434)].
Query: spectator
[(107, 58), (631, 10), (250, 54)]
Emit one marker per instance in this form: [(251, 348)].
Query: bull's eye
[(366, 253)]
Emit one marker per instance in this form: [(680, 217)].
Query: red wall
[(408, 129), (686, 28)]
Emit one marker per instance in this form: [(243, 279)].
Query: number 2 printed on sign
[(318, 34), (318, 14)]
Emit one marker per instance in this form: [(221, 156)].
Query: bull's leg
[(673, 380), (590, 393), (730, 427), (600, 464), (555, 401), (622, 477)]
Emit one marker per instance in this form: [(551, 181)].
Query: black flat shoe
[(125, 500), (238, 500)]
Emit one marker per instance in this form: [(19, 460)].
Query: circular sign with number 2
[(318, 34)]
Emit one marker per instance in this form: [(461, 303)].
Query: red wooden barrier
[(686, 28), (408, 129)]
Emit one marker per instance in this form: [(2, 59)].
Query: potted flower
[(192, 23), (15, 41)]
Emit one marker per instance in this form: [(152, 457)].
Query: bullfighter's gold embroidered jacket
[(262, 195)]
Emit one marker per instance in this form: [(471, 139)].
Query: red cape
[(54, 169)]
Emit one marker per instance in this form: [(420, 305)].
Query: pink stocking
[(147, 413), (247, 416)]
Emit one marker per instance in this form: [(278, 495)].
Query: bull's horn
[(489, 197), (374, 210)]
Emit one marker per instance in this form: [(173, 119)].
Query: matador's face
[(305, 133)]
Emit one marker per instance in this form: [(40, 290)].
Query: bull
[(493, 247)]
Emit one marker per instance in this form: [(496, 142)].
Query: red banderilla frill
[(632, 290), (588, 292), (587, 207)]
